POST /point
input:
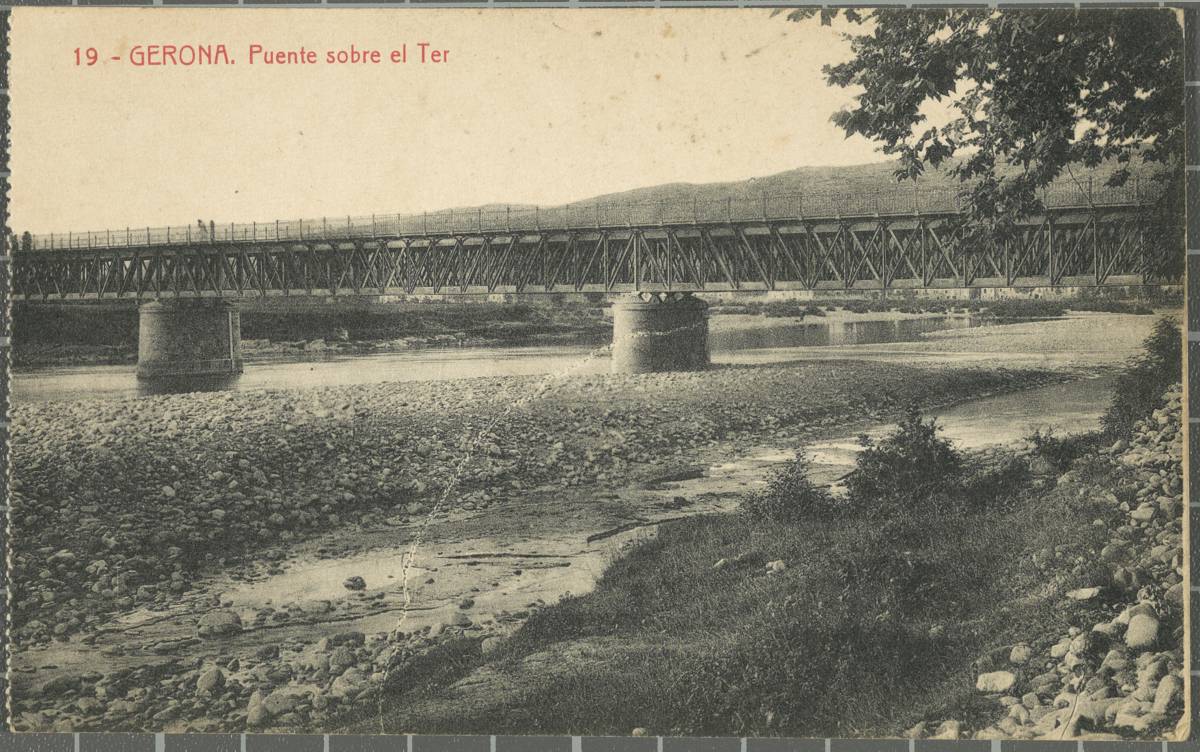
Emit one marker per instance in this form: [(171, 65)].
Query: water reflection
[(816, 332), (736, 334)]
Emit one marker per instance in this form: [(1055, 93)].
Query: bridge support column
[(660, 332), (184, 339)]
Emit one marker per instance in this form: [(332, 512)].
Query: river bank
[(1049, 606), (132, 511)]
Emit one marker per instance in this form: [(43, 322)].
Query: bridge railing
[(680, 211)]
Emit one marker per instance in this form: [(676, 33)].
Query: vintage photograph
[(665, 372)]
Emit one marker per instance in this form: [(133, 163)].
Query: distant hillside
[(852, 180)]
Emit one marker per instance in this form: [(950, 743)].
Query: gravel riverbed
[(127, 509)]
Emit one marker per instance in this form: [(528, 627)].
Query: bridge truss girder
[(1079, 248)]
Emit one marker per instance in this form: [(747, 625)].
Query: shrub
[(912, 465), (790, 495), (1139, 388), (1059, 451)]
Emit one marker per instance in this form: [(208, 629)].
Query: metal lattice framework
[(1091, 245)]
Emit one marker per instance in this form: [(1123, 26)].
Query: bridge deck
[(801, 207), (776, 244)]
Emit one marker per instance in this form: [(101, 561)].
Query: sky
[(530, 106)]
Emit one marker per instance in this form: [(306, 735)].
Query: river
[(734, 339)]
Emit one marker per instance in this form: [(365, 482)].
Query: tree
[(1035, 94)]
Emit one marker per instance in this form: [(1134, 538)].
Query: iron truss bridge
[(792, 242)]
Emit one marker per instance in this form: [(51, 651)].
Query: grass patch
[(878, 619), (872, 627)]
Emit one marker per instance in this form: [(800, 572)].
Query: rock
[(257, 716), (916, 732), (466, 603), (1039, 465), (1142, 631), (352, 637), (210, 681), (491, 644), (341, 659), (218, 624), (283, 700), (355, 583), (1020, 654), (721, 564), (777, 566), (948, 730), (1083, 594), (1174, 594), (639, 731), (1169, 688), (348, 685), (1144, 513), (995, 682)]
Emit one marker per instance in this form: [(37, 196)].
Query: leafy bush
[(912, 465), (790, 495), (1059, 451), (1139, 388)]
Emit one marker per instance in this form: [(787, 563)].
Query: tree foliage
[(1034, 95)]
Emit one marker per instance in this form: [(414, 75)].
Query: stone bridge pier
[(185, 339), (662, 331)]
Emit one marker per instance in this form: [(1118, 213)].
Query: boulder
[(995, 681), (219, 623), (1020, 654), (210, 681), (348, 685), (283, 700), (948, 730), (1142, 631)]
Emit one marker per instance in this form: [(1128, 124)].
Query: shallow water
[(764, 340)]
